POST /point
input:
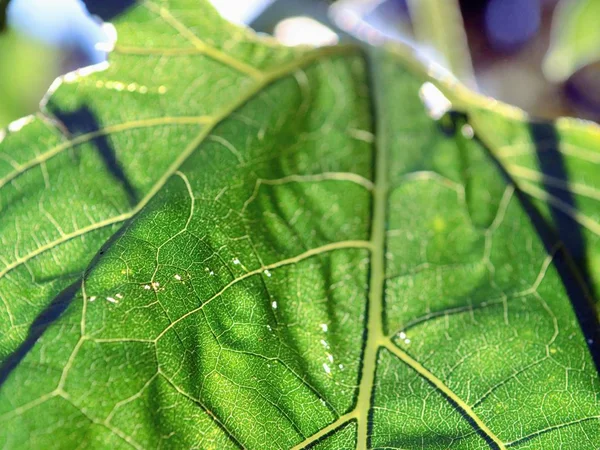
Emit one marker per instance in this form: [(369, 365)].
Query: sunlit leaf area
[(291, 224)]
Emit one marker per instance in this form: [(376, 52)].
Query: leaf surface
[(259, 247), (556, 166)]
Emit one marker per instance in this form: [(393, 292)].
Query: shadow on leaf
[(563, 232)]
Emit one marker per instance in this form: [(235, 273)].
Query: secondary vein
[(285, 262), (439, 384), (111, 129), (267, 80), (202, 46)]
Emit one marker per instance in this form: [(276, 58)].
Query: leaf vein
[(269, 78), (308, 254), (445, 390), (202, 46)]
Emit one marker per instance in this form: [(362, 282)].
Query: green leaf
[(243, 245), (556, 166), (575, 38)]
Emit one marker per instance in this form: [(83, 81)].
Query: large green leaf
[(261, 247)]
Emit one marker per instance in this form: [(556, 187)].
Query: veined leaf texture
[(225, 243)]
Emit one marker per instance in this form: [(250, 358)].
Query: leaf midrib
[(375, 332), (376, 338)]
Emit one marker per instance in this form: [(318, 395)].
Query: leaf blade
[(234, 308)]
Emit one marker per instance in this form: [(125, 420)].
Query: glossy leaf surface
[(259, 247)]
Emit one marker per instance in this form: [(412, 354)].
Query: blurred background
[(540, 55)]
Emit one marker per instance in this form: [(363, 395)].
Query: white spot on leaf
[(434, 100), (18, 124), (110, 32), (467, 131)]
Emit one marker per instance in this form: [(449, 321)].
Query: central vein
[(375, 334)]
